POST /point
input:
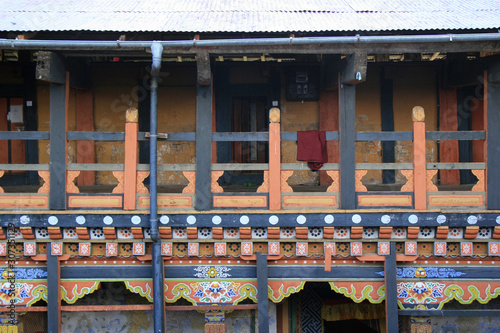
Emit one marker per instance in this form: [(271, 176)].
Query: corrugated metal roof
[(247, 16)]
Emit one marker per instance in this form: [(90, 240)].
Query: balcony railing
[(419, 192)]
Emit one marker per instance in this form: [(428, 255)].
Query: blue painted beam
[(248, 218)]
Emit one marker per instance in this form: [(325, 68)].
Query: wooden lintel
[(355, 69), (371, 48), (203, 66), (50, 67), (211, 307), (78, 308)]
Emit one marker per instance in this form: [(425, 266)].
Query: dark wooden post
[(53, 294), (347, 138), (203, 134), (492, 92), (354, 72), (51, 68), (391, 300), (263, 306)]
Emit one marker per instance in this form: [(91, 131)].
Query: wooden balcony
[(346, 191)]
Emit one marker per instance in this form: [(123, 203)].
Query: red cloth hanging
[(311, 148)]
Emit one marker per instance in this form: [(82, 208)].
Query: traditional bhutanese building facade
[(152, 176)]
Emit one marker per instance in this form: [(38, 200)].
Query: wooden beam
[(53, 294), (50, 67), (211, 307), (263, 306), (203, 66), (57, 198), (492, 98), (450, 313), (347, 135), (355, 69), (391, 295), (370, 48), (203, 147), (78, 308)]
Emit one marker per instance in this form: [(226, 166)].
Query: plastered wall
[(119, 86)]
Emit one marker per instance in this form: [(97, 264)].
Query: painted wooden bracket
[(54, 232), (192, 232), (45, 175), (412, 232), (356, 232), (214, 186), (359, 174), (165, 232), (471, 232), (120, 176), (2, 172), (109, 232), (140, 188), (479, 187), (335, 175), (245, 232), (285, 188), (70, 182), (27, 232), (264, 187), (385, 232), (146, 257), (496, 233), (302, 232), (191, 177), (409, 185), (328, 232), (82, 233), (137, 232), (429, 184), (217, 233), (273, 232), (442, 232)]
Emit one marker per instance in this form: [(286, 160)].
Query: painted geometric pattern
[(311, 312), (278, 290), (72, 291), (433, 295), (214, 291), (24, 294), (142, 288), (374, 292)]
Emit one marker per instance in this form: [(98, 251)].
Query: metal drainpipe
[(358, 39), (158, 280)]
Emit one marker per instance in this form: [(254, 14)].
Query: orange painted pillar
[(131, 155), (419, 161), (274, 160)]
